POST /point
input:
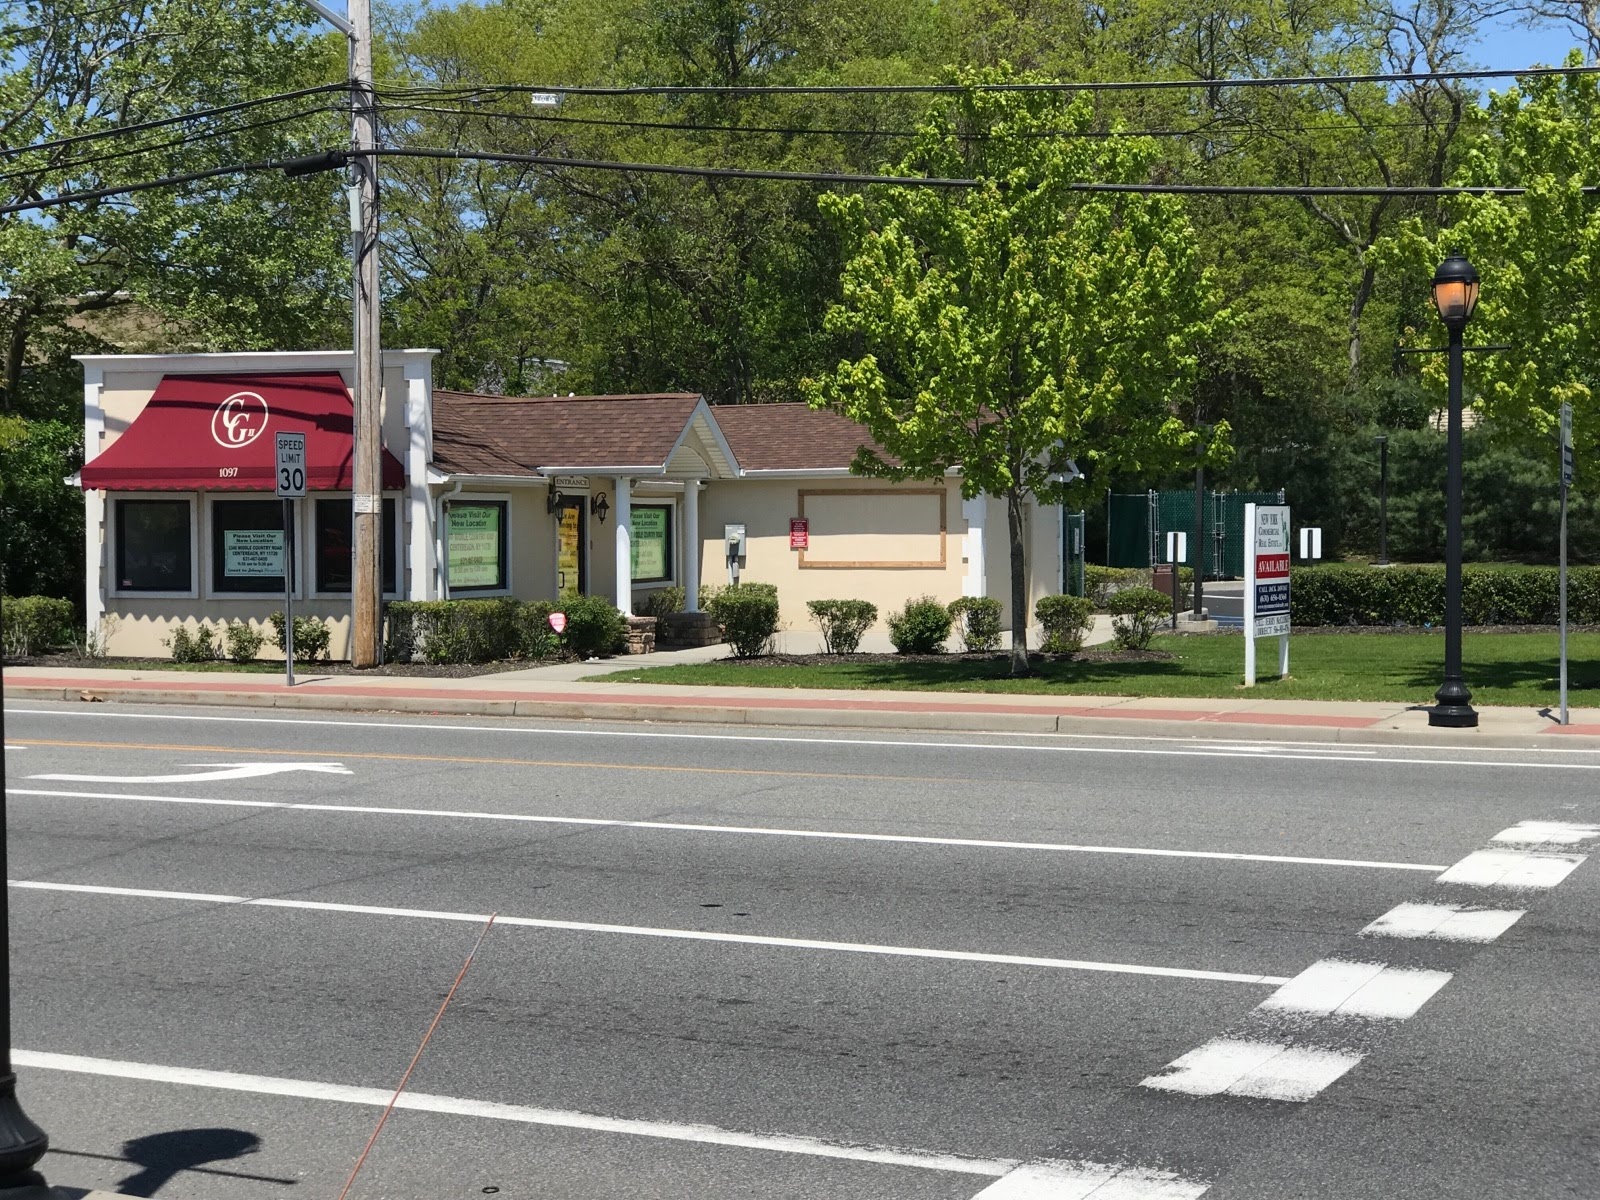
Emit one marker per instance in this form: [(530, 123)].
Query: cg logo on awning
[(239, 420)]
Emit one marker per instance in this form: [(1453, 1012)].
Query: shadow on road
[(164, 1155)]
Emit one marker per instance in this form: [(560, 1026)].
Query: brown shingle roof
[(789, 437), (520, 435)]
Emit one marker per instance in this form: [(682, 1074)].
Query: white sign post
[(289, 471), (1566, 484), (1177, 552), (1266, 583)]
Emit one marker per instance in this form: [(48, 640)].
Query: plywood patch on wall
[(881, 528)]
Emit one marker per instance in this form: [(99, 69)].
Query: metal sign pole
[(1249, 595), (1566, 485), (288, 592)]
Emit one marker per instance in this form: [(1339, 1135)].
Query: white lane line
[(1047, 1180), (1446, 922), (684, 827), (1349, 989), (697, 935), (1519, 869), (1184, 747), (268, 1085), (1547, 833), (1263, 1070)]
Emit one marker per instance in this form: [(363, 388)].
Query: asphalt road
[(796, 964)]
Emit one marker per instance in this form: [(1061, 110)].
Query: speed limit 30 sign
[(290, 465)]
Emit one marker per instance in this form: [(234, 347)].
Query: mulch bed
[(998, 657)]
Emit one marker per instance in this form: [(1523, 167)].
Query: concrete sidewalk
[(536, 693)]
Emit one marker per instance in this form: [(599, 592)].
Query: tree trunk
[(1019, 586)]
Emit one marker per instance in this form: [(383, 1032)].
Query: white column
[(622, 514), (421, 580), (94, 516), (692, 549), (976, 582)]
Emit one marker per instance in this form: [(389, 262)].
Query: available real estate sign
[(1266, 583)]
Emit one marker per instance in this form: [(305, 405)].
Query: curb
[(1272, 727)]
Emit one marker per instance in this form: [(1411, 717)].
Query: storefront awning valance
[(216, 432)]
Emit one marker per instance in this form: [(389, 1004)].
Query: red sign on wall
[(799, 533)]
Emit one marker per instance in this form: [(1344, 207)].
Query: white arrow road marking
[(222, 771)]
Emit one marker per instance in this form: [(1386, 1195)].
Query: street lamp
[(1455, 295)]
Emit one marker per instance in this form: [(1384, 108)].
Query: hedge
[(35, 623), (1358, 595), (472, 631), (748, 615)]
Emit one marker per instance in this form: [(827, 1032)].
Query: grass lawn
[(1500, 668)]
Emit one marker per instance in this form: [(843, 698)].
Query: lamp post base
[(1453, 716), (22, 1143)]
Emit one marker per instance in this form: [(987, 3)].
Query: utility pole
[(367, 507)]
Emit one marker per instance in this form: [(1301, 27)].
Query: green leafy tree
[(1003, 328), (1539, 258)]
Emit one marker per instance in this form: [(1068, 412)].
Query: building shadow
[(161, 1156)]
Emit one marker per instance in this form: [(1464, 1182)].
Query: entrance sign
[(290, 465), (1266, 583), (799, 533)]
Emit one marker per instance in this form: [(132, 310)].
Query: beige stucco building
[(496, 496)]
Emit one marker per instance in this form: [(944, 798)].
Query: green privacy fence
[(1137, 526)]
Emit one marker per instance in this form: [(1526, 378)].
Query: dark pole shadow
[(163, 1155)]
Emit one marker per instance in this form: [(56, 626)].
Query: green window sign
[(477, 545), (652, 542)]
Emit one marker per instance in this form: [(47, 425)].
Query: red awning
[(215, 432)]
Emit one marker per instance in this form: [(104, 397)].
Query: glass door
[(572, 559)]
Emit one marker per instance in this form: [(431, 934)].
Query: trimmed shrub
[(660, 602), (197, 646), (1067, 621), (921, 627), (244, 642), (595, 626), (748, 615), (1355, 595), (35, 623), (978, 620), (1136, 615), (310, 637), (535, 639), (451, 631), (842, 622), (1102, 583)]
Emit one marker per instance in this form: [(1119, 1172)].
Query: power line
[(829, 131), (83, 163), (199, 114), (828, 177), (1175, 189), (740, 91)]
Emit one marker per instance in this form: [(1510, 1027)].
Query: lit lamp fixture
[(600, 506), (1455, 295)]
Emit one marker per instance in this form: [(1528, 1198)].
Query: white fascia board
[(647, 469), (798, 473), (487, 480)]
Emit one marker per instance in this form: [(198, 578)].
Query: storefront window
[(332, 539), (652, 543), (247, 546), (477, 539), (154, 550)]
